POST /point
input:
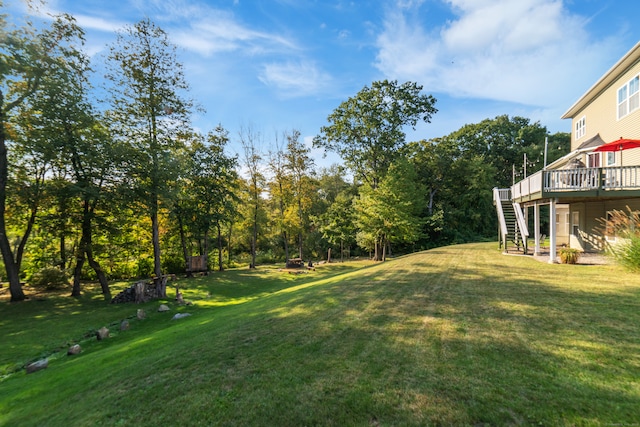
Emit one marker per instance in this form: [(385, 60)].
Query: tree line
[(114, 182)]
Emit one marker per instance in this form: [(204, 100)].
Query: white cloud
[(203, 29), (100, 24), (294, 78), (521, 51)]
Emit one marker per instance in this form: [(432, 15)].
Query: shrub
[(569, 255), (627, 253), (50, 278), (625, 226)]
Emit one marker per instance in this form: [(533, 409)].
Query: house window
[(611, 158), (575, 223), (593, 160), (581, 127), (629, 97)]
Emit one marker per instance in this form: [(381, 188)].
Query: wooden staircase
[(513, 228), (514, 236)]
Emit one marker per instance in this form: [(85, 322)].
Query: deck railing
[(580, 179), (577, 180), (530, 185)]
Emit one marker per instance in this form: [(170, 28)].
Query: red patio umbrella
[(619, 145)]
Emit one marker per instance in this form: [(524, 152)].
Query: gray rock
[(102, 333), (73, 350), (141, 314), (180, 316), (37, 366), (163, 308), (124, 325)]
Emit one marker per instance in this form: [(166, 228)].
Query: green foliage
[(173, 263), (121, 185), (367, 129), (144, 267), (150, 115), (625, 227), (569, 255), (391, 212), (50, 278)]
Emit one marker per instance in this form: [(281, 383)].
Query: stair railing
[(522, 225), (497, 198)]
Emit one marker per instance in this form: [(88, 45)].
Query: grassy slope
[(456, 335)]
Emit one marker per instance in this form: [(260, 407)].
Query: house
[(598, 176)]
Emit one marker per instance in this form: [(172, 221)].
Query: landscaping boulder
[(37, 366), (124, 325), (73, 350), (180, 316), (102, 333), (163, 308), (141, 314)]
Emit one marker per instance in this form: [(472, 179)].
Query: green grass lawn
[(460, 335)]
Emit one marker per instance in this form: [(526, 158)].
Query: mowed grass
[(460, 335)]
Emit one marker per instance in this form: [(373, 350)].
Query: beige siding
[(601, 117), (562, 225)]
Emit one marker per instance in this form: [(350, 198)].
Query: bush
[(50, 278), (569, 255), (627, 253), (626, 227)]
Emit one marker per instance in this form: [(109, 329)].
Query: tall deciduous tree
[(280, 188), (390, 213), (250, 140), (301, 169), (367, 130), (82, 153), (502, 141), (26, 57), (149, 111), (212, 187), (337, 223)]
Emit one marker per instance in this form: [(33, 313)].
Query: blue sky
[(282, 65)]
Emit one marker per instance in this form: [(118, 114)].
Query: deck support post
[(552, 231), (536, 228)]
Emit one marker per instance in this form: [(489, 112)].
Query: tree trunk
[(220, 267), (205, 253), (102, 277), (86, 248), (30, 223), (254, 238), (63, 252), (157, 267), (77, 272), (11, 267), (286, 245), (341, 250), (183, 244), (229, 243), (432, 194), (329, 255)]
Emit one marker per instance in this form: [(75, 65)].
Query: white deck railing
[(500, 194), (530, 185), (580, 179)]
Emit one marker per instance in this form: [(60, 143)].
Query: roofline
[(623, 64)]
